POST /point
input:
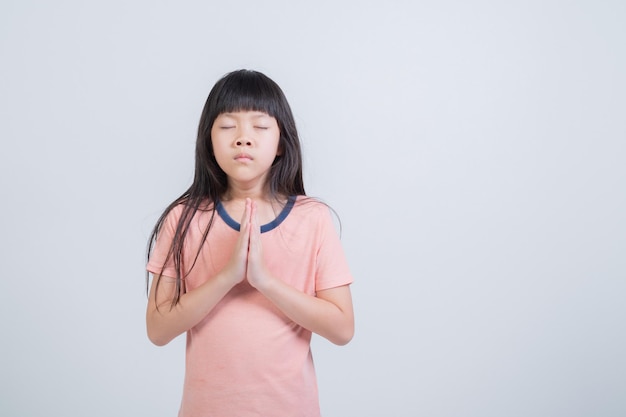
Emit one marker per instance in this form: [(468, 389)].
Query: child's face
[(245, 144)]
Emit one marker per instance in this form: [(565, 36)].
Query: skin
[(245, 145)]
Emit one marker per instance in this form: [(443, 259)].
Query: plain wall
[(474, 150)]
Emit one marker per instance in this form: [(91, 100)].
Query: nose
[(242, 142)]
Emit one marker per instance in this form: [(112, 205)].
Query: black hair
[(241, 90)]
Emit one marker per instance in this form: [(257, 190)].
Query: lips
[(243, 157)]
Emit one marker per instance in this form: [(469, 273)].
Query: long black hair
[(241, 90)]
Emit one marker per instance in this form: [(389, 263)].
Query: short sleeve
[(162, 246), (332, 265)]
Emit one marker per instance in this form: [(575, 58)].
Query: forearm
[(166, 322), (331, 317)]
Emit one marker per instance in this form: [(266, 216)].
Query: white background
[(474, 150)]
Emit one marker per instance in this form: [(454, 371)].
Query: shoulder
[(184, 212), (311, 207), (311, 210), (310, 204)]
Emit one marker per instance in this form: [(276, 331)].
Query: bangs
[(248, 91)]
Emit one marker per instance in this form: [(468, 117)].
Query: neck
[(241, 192)]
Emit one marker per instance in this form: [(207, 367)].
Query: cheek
[(217, 151), (217, 141), (279, 146)]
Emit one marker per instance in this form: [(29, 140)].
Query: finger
[(245, 218), (255, 229), (243, 242), (254, 219), (253, 211)]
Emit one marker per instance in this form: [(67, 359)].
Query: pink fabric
[(246, 358)]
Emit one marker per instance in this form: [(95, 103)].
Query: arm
[(328, 314), (167, 322), (164, 322)]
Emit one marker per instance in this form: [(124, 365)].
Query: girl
[(249, 293)]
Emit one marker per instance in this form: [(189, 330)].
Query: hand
[(256, 273), (237, 266)]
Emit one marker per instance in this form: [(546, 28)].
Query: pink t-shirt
[(246, 358)]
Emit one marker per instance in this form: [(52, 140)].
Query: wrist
[(226, 280), (264, 285)]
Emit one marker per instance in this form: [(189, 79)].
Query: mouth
[(243, 157)]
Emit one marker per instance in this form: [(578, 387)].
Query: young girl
[(249, 293)]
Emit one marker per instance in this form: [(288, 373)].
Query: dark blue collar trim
[(264, 228)]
